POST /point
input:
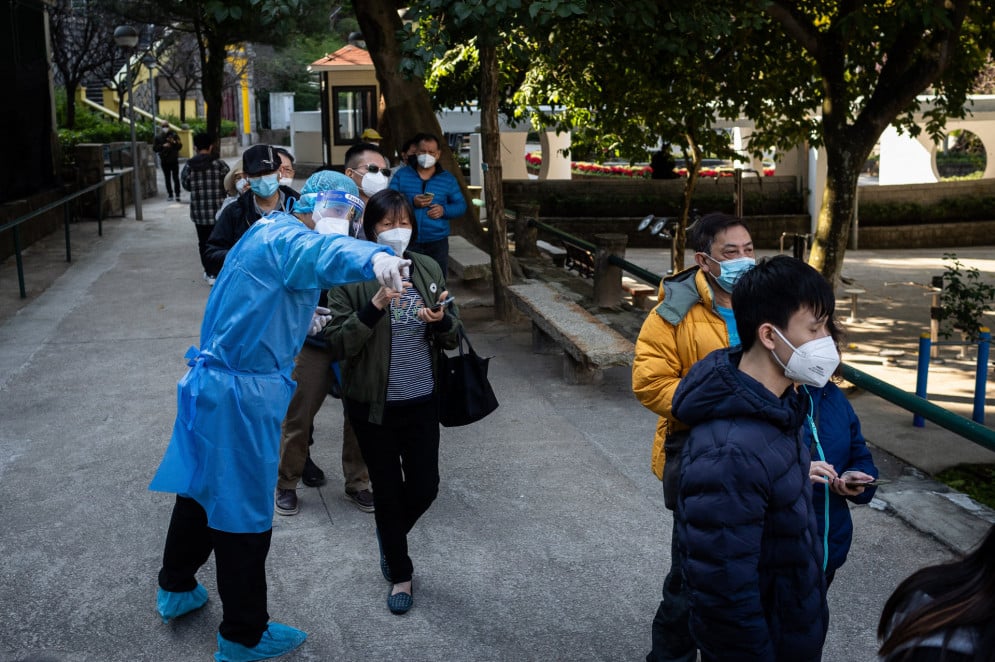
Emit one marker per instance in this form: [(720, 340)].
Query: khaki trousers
[(313, 375)]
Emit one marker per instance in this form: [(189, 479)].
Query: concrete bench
[(588, 344), (466, 261), (558, 255)]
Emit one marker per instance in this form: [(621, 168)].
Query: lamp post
[(126, 37), (150, 64)]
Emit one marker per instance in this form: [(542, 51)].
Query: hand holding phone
[(439, 304)]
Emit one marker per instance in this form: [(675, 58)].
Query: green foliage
[(286, 70), (200, 124), (964, 299), (946, 210), (975, 480)]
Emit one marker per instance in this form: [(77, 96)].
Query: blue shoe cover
[(173, 605), (277, 640)]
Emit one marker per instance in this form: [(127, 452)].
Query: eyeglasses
[(374, 168)]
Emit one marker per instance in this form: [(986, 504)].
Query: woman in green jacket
[(389, 343)]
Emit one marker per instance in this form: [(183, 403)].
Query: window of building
[(354, 109)]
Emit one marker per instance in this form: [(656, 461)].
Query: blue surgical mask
[(266, 185), (732, 270)]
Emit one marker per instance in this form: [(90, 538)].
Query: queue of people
[(737, 360)]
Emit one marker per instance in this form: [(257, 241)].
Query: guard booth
[(350, 97)]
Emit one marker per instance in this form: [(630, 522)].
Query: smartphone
[(429, 196), (442, 303), (867, 483)]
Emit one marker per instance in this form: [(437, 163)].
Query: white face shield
[(335, 211)]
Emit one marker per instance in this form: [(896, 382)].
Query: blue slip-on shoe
[(400, 603), (384, 568), (277, 640), (173, 605)]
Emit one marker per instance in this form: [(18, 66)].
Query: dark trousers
[(240, 559), (437, 250), (672, 640), (203, 234), (171, 171), (402, 455)]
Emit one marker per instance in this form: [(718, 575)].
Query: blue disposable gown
[(224, 451)]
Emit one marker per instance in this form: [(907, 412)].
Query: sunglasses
[(374, 168)]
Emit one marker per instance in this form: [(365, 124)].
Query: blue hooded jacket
[(844, 447), (447, 193), (745, 519), (225, 447)]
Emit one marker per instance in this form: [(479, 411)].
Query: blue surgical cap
[(326, 180)]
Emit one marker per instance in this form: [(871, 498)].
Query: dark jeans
[(241, 569), (203, 234), (402, 455), (171, 170), (672, 640), (437, 250)]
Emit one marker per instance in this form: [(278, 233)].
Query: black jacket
[(235, 219)]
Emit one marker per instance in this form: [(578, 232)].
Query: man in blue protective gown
[(223, 455)]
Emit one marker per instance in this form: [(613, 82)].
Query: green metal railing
[(634, 269), (67, 213), (965, 427)]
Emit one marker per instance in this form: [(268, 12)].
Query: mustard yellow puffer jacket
[(682, 329)]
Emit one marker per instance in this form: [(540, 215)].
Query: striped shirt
[(410, 376)]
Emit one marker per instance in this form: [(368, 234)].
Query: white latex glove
[(321, 317), (390, 270)]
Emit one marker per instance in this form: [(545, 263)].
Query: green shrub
[(964, 299)]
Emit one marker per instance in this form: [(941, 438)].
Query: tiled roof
[(347, 56)]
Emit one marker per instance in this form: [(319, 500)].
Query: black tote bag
[(465, 395)]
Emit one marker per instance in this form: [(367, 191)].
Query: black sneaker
[(312, 475), (363, 500), (286, 502)]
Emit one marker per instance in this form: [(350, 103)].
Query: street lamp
[(126, 37)]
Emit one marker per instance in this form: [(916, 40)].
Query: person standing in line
[(367, 169), (390, 341), (265, 195), (314, 376), (746, 524), (436, 197), (236, 183), (840, 458), (287, 171), (167, 145), (943, 613), (222, 457), (204, 176), (694, 317)]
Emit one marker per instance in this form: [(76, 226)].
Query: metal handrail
[(67, 217), (634, 269)]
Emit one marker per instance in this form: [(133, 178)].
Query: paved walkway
[(548, 540)]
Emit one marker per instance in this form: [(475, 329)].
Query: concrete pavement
[(548, 539)]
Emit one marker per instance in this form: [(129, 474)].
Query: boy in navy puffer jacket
[(746, 523)]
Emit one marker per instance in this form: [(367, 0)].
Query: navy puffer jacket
[(844, 447), (753, 562)]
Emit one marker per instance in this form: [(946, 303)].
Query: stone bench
[(557, 322), (643, 295), (466, 261)]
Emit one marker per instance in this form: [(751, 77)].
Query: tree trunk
[(844, 158), (679, 242), (407, 106), (183, 106), (212, 83), (491, 138), (71, 87)]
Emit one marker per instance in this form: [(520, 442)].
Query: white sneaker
[(210, 279)]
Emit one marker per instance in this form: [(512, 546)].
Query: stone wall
[(928, 235), (36, 228)]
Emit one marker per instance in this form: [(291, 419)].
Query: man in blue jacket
[(222, 459), (748, 537), (436, 196)]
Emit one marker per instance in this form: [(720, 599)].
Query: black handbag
[(465, 395)]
